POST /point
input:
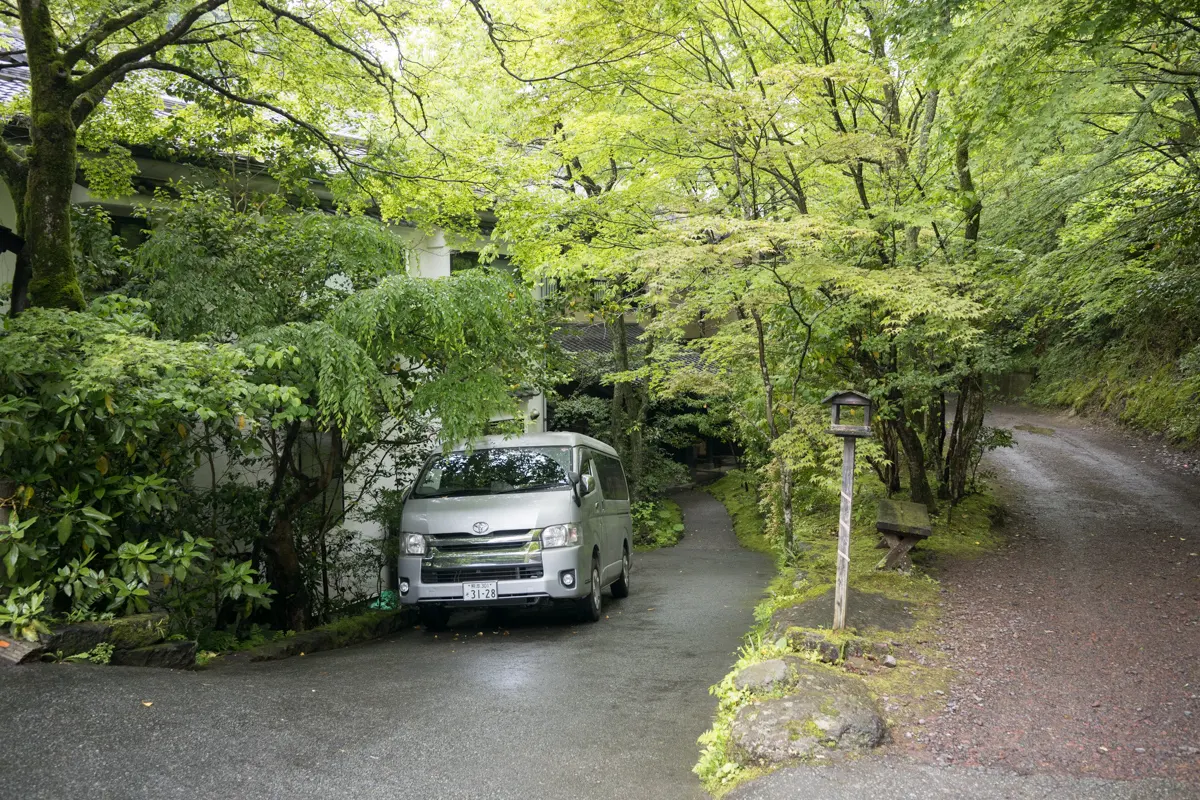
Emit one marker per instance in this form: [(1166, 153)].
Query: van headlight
[(560, 535), (413, 544)]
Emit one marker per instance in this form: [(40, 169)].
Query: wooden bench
[(902, 526)]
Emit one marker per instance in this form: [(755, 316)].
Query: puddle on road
[(1035, 429)]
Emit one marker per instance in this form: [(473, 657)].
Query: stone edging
[(351, 630)]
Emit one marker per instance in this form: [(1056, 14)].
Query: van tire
[(435, 618), (590, 605), (621, 587)]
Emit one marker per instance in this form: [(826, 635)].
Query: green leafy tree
[(309, 86)]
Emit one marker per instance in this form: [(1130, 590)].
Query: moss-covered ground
[(908, 691), (1147, 391)]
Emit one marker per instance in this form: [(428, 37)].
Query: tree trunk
[(50, 161), (889, 472), (628, 411), (785, 475), (49, 244), (785, 502), (7, 489), (935, 434), (286, 574), (914, 457), (971, 204), (968, 420)]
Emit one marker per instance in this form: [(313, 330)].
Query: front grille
[(496, 540), (457, 575)]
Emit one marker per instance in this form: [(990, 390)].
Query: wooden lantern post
[(850, 432)]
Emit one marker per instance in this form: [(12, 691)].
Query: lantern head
[(851, 413)]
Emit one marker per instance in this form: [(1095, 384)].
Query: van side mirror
[(575, 480), (589, 484)]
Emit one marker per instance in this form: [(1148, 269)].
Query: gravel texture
[(873, 778), (1078, 644)]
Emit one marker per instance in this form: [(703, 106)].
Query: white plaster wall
[(430, 251), (8, 261)]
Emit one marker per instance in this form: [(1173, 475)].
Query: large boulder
[(828, 713), (179, 654)]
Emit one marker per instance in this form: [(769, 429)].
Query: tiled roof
[(597, 338)]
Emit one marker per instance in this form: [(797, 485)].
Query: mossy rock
[(138, 630), (828, 714), (72, 639), (166, 655)]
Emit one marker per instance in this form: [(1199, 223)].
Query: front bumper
[(510, 591)]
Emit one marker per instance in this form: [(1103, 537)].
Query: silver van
[(516, 521)]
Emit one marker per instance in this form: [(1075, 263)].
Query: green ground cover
[(911, 686)]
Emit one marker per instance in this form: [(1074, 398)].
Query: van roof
[(557, 439)]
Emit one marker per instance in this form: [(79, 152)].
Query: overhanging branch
[(124, 60)]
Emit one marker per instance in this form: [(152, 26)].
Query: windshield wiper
[(534, 488), (453, 493)]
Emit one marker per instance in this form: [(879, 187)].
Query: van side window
[(588, 466), (612, 477)]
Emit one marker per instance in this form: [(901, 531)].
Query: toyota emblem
[(479, 528)]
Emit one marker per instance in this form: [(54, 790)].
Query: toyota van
[(516, 521)]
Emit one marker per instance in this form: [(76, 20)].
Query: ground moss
[(1145, 390), (906, 692)]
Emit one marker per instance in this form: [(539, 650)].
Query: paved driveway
[(551, 710)]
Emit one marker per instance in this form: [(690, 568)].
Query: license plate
[(479, 591)]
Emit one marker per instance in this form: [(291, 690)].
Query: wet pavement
[(551, 709)]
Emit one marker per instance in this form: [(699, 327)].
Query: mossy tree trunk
[(41, 181), (968, 422)]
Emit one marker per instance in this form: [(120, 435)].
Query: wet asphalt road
[(551, 710)]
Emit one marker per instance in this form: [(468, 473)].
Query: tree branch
[(106, 27), (123, 60)]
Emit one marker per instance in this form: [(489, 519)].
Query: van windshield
[(495, 471)]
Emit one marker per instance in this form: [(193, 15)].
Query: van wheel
[(589, 607), (621, 587), (435, 618)]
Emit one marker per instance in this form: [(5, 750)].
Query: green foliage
[(102, 429), (100, 654), (211, 268), (22, 611), (656, 524)]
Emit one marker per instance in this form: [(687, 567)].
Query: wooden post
[(843, 555)]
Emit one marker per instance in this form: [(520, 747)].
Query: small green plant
[(22, 612), (100, 654), (656, 524)]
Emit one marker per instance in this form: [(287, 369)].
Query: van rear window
[(495, 471)]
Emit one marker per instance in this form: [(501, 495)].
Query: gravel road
[(1078, 644)]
